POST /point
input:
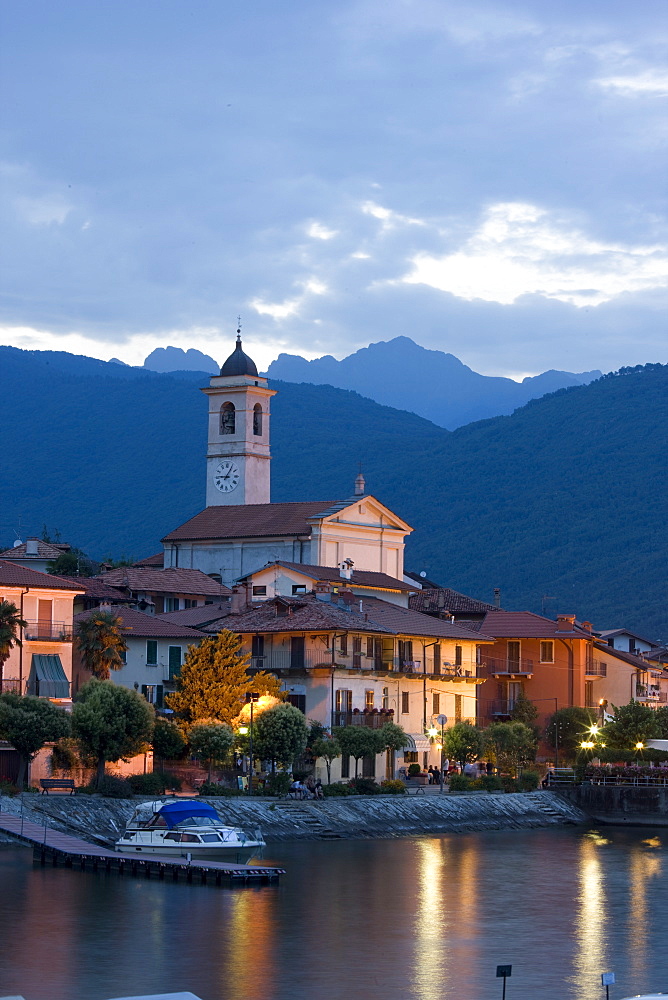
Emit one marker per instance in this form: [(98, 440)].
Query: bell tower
[(238, 459)]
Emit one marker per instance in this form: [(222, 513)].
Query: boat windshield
[(197, 821)]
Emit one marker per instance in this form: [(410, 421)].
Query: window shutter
[(159, 695), (144, 690)]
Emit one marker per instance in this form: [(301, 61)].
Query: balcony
[(651, 693), (596, 669), (497, 666), (47, 631), (498, 709), (374, 718)]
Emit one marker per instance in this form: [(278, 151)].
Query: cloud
[(520, 249), (650, 83), (319, 232), (45, 210), (289, 307)]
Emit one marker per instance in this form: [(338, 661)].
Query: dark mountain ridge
[(565, 499), (433, 384)]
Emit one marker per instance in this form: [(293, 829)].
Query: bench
[(49, 783)]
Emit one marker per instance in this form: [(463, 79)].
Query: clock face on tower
[(226, 477)]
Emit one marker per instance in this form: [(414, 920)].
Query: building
[(34, 553), (155, 653), (241, 531), (286, 579), (350, 661), (159, 590), (630, 642), (42, 664)]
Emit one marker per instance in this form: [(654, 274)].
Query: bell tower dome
[(238, 459)]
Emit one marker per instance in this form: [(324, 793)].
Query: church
[(240, 530)]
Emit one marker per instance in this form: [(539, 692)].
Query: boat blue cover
[(176, 812)]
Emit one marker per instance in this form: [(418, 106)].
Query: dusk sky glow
[(487, 179)]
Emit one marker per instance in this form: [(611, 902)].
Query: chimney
[(587, 626), (346, 569), (346, 599), (441, 599), (17, 543), (565, 623), (497, 597), (32, 547), (106, 607), (360, 485), (323, 590), (238, 601)]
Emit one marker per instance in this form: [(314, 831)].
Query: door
[(44, 622), (514, 691), (513, 657), (297, 652), (357, 652)]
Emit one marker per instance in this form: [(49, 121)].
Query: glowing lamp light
[(243, 730), (593, 730), (587, 745), (432, 732), (640, 746)]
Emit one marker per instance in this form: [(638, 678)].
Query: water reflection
[(420, 918)]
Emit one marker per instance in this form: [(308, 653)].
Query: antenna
[(239, 325)]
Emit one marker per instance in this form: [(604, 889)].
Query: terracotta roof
[(424, 582), (167, 581), (610, 633), (199, 616), (157, 561), (146, 626), (331, 574), (45, 550), (251, 520), (309, 614), (437, 600), (404, 621), (621, 654), (95, 587), (527, 625), (12, 575)]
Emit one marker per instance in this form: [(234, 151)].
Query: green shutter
[(159, 692), (174, 662), (152, 652)]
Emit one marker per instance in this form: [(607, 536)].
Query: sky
[(485, 178)]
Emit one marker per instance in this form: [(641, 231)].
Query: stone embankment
[(621, 805), (360, 817)]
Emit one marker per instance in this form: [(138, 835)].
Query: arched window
[(257, 419), (227, 418)]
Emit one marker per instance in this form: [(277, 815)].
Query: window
[(369, 767), (153, 694), (357, 651), (435, 703), (458, 708), (259, 591), (343, 641), (298, 700), (547, 651), (386, 697), (437, 658), (151, 652), (344, 700), (175, 660), (257, 646), (172, 604), (298, 588), (405, 652), (410, 757), (405, 707), (345, 765), (189, 603), (227, 418), (458, 656), (589, 695), (368, 699), (257, 420)]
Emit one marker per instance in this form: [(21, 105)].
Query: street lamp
[(442, 720), (252, 697)]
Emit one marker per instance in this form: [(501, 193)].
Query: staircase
[(307, 816)]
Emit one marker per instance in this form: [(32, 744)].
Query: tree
[(100, 643), (28, 723), (525, 711), (513, 745), (11, 624), (280, 734), (631, 724), (329, 749), (392, 737), (464, 743), (359, 742), (111, 723), (214, 680), (211, 742), (566, 729), (74, 562), (168, 742), (662, 722)]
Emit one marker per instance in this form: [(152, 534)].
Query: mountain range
[(433, 384), (562, 504)]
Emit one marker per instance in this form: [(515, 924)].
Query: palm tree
[(100, 643), (11, 624)]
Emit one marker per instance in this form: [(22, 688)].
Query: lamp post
[(252, 697), (442, 721), (556, 726)]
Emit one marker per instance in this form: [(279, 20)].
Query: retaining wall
[(102, 820), (620, 804)]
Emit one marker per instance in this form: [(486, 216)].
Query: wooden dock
[(61, 850)]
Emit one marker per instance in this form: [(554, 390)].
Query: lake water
[(425, 918)]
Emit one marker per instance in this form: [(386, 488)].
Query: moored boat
[(182, 827)]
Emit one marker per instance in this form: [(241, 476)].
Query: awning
[(47, 678), (417, 742)]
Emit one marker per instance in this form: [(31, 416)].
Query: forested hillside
[(565, 498)]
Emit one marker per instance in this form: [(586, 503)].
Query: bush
[(460, 783), (529, 781), (339, 788), (153, 783), (508, 784), (7, 788), (364, 786), (112, 787), (278, 783), (414, 770), (393, 787), (210, 789), (490, 783), (64, 756)]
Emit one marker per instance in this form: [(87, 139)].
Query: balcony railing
[(374, 719), (596, 669), (10, 685), (496, 665), (651, 693), (497, 708), (47, 632), (286, 659)]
